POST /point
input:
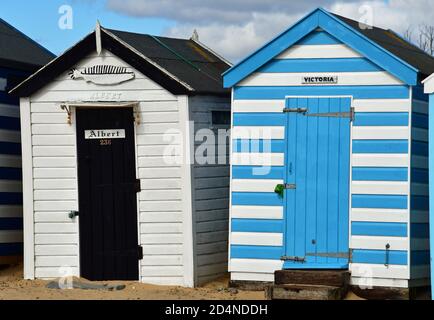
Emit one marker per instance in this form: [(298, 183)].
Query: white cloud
[(235, 28)]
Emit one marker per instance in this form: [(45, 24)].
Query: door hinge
[(140, 252), (349, 114), (295, 259), (295, 110), (137, 186)]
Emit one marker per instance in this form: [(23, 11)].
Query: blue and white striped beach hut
[(330, 155), (19, 57)]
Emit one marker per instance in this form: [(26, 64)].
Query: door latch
[(280, 188), (137, 186), (73, 214), (294, 259), (295, 110), (140, 252)]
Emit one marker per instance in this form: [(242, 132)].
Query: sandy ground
[(13, 287)]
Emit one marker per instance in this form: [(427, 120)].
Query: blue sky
[(39, 20)]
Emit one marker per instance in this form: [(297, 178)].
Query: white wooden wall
[(210, 185), (53, 161)]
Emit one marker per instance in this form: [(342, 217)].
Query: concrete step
[(331, 278), (304, 292)]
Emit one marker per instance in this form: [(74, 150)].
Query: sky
[(233, 28)]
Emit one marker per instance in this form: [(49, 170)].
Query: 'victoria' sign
[(104, 134), (320, 80)]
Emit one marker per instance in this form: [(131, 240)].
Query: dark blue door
[(318, 178)]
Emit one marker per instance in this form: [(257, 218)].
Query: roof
[(397, 45), (182, 66), (383, 47), (19, 51)]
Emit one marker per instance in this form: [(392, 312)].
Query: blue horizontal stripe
[(320, 65), (380, 146), (419, 203), (419, 175), (258, 146), (381, 119), (11, 198), (10, 148), (418, 93), (5, 98), (318, 38), (420, 257), (381, 229), (380, 257), (379, 174), (260, 119), (358, 92), (420, 120), (419, 148), (11, 249), (256, 199), (257, 225), (11, 224), (10, 123), (11, 174), (256, 252), (419, 230), (379, 201), (257, 172)]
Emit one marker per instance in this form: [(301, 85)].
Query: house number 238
[(105, 142)]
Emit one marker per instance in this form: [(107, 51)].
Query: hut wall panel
[(210, 183), (380, 160), (160, 204)]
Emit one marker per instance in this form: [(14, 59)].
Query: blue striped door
[(318, 163)]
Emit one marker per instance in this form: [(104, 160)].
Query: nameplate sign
[(320, 80), (104, 134)]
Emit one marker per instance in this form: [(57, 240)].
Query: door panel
[(318, 163), (107, 197)]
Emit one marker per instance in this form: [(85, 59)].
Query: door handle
[(73, 214)]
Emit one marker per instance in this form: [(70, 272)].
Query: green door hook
[(280, 190)]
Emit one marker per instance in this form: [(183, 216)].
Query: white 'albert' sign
[(104, 134)]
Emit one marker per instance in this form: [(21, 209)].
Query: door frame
[(285, 177), (72, 112)]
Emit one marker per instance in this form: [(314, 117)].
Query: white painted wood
[(379, 243), (258, 106), (166, 281), (257, 133), (419, 162), (419, 189), (50, 140), (56, 238), (361, 270), (256, 239), (344, 79), (163, 271), (419, 244), (56, 261), (56, 250), (54, 162), (417, 216), (28, 219), (11, 211), (381, 105), (57, 173), (55, 194), (368, 282), (380, 187), (419, 134), (257, 212), (7, 110), (53, 129), (11, 236), (155, 195), (251, 276), (254, 185), (379, 215), (318, 52), (256, 265), (420, 272), (380, 160), (10, 136), (49, 273), (9, 161), (420, 106), (11, 186), (53, 151), (258, 159), (157, 249), (70, 227), (161, 228), (428, 84), (380, 133), (54, 184)]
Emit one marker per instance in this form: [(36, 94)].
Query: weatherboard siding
[(11, 219), (380, 160), (161, 201)]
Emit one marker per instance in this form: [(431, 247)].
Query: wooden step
[(331, 278), (304, 292)]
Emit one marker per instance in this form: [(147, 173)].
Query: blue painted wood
[(256, 199), (379, 201), (11, 198), (420, 258), (420, 120), (11, 174), (258, 146), (8, 123), (382, 229), (316, 212), (380, 146), (318, 38), (257, 225), (5, 98), (10, 148), (256, 252), (418, 93), (11, 223), (380, 257), (420, 148), (257, 172), (334, 26), (358, 92), (381, 119), (419, 203), (379, 174), (259, 119), (419, 230), (320, 65), (11, 249), (419, 175), (431, 190)]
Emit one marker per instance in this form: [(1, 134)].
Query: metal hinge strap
[(349, 114), (295, 110), (289, 186), (338, 255), (295, 259)]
